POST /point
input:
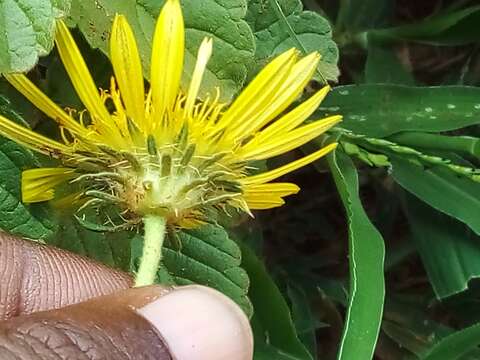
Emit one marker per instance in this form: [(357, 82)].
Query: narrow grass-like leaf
[(448, 248), (456, 196), (355, 16), (382, 110), (275, 333), (366, 256), (455, 345), (444, 28)]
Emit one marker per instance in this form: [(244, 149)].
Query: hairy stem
[(152, 250)]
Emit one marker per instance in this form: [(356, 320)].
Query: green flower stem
[(152, 250)]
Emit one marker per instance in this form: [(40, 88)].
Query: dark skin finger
[(36, 278), (103, 328), (190, 322)]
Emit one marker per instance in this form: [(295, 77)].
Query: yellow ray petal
[(267, 196), (204, 53), (295, 117), (167, 56), (42, 102), (39, 184), (257, 95), (289, 141), (128, 69), (62, 203), (264, 204), (81, 79), (273, 174), (289, 90), (190, 223), (31, 139), (270, 189)]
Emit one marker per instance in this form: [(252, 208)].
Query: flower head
[(164, 151)]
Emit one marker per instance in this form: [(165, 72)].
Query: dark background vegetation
[(305, 242)]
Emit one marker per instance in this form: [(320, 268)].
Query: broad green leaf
[(455, 345), (61, 6), (222, 20), (30, 221), (383, 110), (449, 250), (111, 249), (456, 196), (281, 24), (366, 257), (208, 257), (451, 28), (275, 334), (27, 29)]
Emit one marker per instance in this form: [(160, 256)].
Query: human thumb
[(184, 323)]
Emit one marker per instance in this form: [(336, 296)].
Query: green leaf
[(366, 256), (112, 249), (27, 29), (384, 67), (269, 352), (281, 24), (275, 333), (383, 110), (457, 144), (222, 20), (456, 196), (30, 221), (413, 327), (355, 16), (305, 322), (451, 28), (453, 260), (406, 338), (455, 345), (208, 257)]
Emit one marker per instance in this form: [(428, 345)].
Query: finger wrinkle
[(37, 277), (103, 328), (11, 274)]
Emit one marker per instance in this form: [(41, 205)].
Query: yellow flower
[(163, 152)]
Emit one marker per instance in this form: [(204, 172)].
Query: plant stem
[(152, 250)]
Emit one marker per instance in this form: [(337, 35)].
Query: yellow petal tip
[(118, 20), (175, 3)]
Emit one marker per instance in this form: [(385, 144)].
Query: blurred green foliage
[(377, 256)]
